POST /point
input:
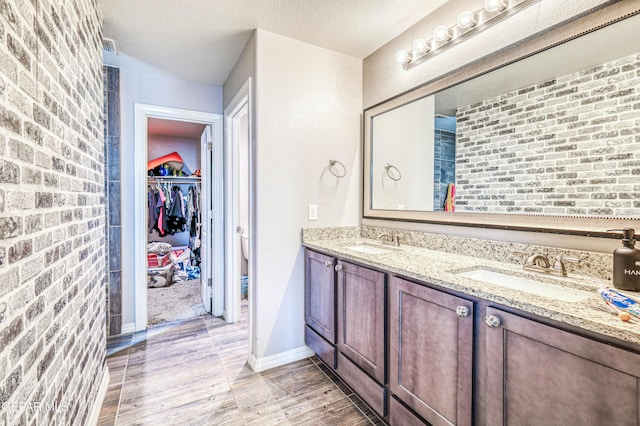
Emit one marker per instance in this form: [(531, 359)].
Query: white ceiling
[(200, 40), (181, 129)]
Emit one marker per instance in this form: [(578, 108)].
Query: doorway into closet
[(177, 234), (179, 208)]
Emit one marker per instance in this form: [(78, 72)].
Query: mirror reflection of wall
[(564, 146), (445, 162), (404, 138)]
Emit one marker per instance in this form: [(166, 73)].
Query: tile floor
[(194, 372)]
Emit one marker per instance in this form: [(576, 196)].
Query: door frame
[(241, 100), (142, 113)]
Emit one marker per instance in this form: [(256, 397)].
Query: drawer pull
[(462, 311), (328, 263), (492, 321), (339, 268)]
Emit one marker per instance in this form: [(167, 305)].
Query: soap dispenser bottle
[(626, 262)]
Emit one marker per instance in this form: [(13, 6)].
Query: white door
[(206, 258)]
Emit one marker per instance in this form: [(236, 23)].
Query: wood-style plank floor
[(194, 372)]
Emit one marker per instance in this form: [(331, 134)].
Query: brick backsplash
[(564, 146), (52, 211)]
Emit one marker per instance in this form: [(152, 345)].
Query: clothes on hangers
[(157, 215), (176, 220), (170, 212)]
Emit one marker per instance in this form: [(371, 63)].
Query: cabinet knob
[(462, 311), (338, 268), (328, 263), (492, 321)]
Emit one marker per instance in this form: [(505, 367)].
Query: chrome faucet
[(540, 263), (389, 239)]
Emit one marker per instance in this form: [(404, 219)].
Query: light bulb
[(402, 57), (441, 34), (420, 46), (466, 20), (495, 5)]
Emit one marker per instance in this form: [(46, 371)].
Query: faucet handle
[(559, 264)]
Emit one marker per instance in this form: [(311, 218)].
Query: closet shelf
[(162, 179)]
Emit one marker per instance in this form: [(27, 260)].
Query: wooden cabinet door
[(539, 375), (320, 294), (361, 325), (431, 352)]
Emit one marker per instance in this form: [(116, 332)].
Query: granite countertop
[(441, 269)]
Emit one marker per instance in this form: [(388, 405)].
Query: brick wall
[(566, 146), (52, 269)]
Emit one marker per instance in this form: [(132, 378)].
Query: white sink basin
[(524, 284), (369, 249)]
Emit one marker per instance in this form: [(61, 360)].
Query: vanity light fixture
[(420, 46), (468, 24), (466, 20), (495, 5), (402, 57), (441, 34)]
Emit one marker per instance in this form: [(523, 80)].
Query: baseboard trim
[(94, 416), (127, 328), (272, 361)]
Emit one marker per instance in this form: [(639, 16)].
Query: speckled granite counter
[(441, 268)]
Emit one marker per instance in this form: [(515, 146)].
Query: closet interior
[(174, 207)]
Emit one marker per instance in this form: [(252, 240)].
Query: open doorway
[(179, 241), (177, 234), (240, 224)]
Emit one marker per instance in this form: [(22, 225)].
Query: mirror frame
[(592, 226)]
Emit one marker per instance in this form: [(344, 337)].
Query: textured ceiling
[(200, 40)]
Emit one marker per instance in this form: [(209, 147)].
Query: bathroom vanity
[(419, 341)]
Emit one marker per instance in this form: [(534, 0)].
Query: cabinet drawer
[(399, 415), (367, 388), (322, 348)]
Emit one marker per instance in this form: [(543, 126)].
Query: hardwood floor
[(194, 372)]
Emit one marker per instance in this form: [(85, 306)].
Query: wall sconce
[(467, 25)]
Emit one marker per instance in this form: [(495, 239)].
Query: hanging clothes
[(176, 220), (151, 209), (162, 214)]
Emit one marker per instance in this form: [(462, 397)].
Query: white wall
[(404, 137), (308, 103), (189, 149), (383, 78), (142, 83)]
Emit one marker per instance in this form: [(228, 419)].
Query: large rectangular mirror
[(545, 136)]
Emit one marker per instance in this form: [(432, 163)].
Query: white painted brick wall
[(52, 309), (566, 146)]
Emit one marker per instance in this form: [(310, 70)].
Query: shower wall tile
[(111, 88), (115, 291), (113, 158), (114, 203)]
